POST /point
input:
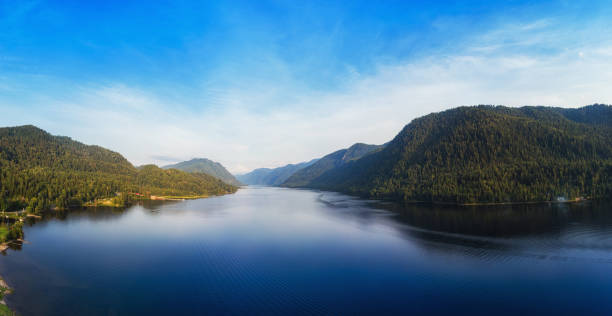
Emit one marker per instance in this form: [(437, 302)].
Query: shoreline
[(491, 203), (109, 202), (526, 203), (573, 201), (498, 203), (399, 202)]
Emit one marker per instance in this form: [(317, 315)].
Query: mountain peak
[(207, 166)]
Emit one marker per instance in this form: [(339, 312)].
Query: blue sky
[(264, 83)]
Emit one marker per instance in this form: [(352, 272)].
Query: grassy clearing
[(110, 202), (183, 197), (4, 230), (5, 311)]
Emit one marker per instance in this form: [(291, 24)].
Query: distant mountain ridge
[(272, 176), (304, 176), (484, 154), (207, 166)]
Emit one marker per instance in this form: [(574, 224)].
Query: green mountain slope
[(336, 159), (273, 177), (41, 171), (209, 167), (487, 154)]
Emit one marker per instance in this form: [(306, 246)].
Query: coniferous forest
[(481, 154), (39, 171), (487, 154)]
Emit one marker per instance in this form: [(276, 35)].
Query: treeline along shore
[(39, 171), (480, 155), (472, 155)]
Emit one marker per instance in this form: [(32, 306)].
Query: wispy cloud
[(373, 109), (271, 118)]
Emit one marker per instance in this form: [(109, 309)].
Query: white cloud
[(303, 124)]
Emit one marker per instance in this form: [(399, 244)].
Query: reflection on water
[(505, 220), (549, 231), (282, 251)]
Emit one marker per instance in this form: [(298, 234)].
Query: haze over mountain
[(40, 171), (304, 176), (485, 154), (272, 176), (207, 166)]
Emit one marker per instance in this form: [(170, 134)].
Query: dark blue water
[(282, 251)]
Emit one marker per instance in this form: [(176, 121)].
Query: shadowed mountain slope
[(487, 154), (272, 177)]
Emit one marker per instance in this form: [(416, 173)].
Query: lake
[(283, 251)]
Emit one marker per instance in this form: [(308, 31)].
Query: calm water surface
[(283, 251)]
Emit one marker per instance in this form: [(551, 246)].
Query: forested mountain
[(487, 154), (273, 177), (336, 159), (41, 171), (209, 167)]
